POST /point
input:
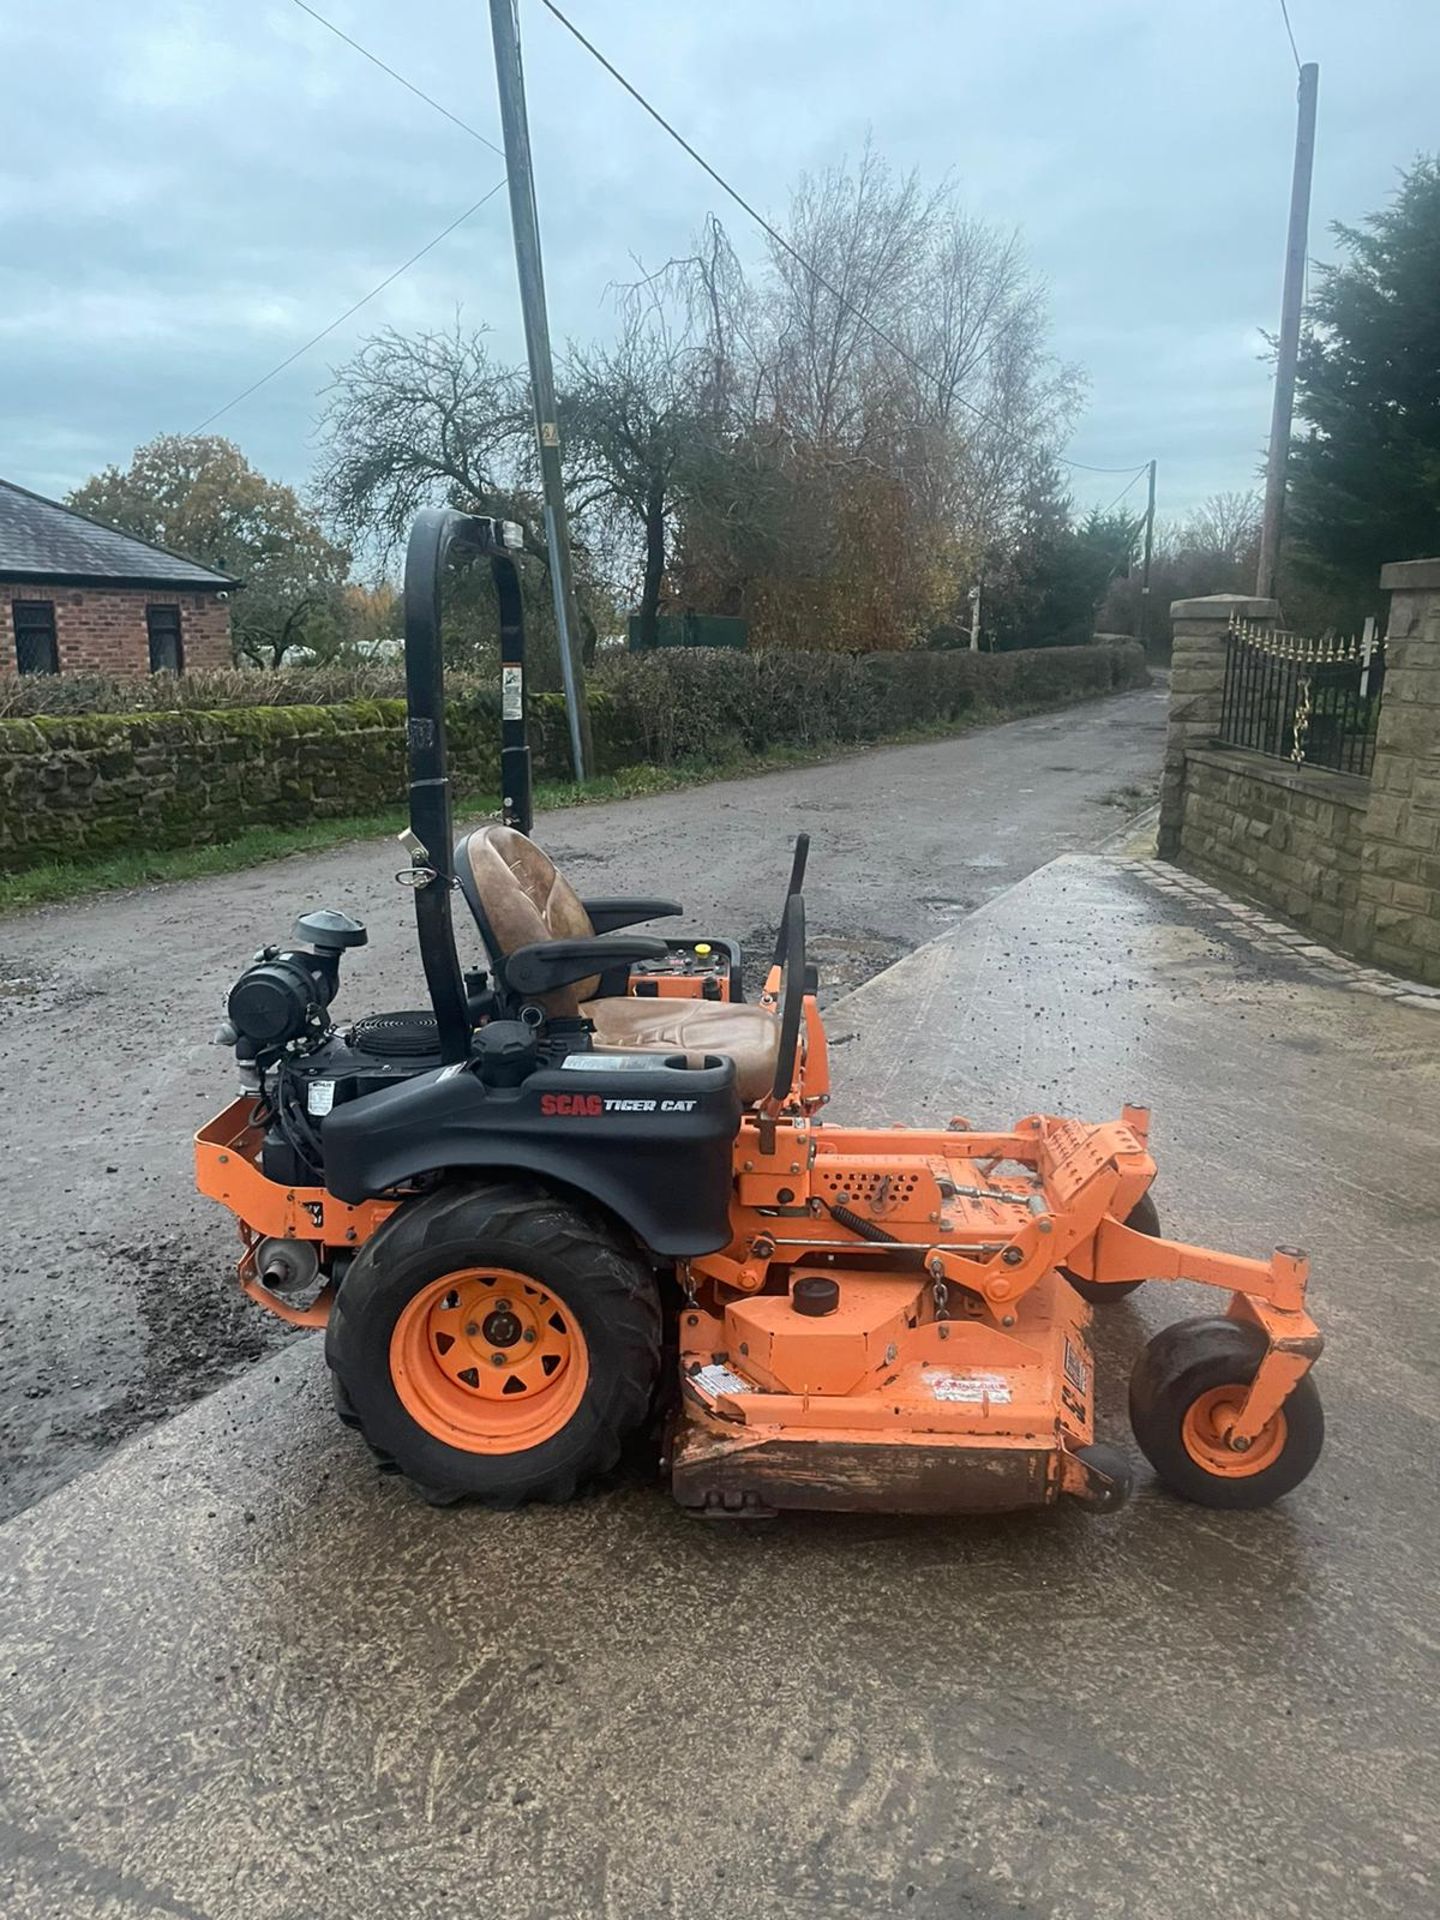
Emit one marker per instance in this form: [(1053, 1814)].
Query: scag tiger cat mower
[(507, 1208)]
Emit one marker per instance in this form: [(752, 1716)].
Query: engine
[(294, 1058)]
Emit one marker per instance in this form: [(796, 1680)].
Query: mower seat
[(519, 898)]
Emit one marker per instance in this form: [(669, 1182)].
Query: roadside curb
[(1264, 934), (1115, 843)]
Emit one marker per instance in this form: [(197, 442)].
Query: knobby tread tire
[(579, 1255)]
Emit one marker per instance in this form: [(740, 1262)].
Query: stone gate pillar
[(1397, 921), (1197, 681)]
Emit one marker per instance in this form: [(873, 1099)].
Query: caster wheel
[(1188, 1385), (1104, 1293)]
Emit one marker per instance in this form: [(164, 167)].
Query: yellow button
[(702, 948)]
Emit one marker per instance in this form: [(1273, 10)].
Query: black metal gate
[(1313, 702)]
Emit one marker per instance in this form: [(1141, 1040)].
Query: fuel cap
[(815, 1295)]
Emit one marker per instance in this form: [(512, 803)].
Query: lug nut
[(497, 1359), (529, 1334), (502, 1306), (471, 1330)]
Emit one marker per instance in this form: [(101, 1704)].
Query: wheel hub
[(488, 1359), (502, 1328), (1208, 1433)]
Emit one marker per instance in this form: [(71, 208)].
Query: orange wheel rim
[(488, 1361), (1206, 1434)]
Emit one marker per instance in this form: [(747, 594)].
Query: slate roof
[(41, 540)]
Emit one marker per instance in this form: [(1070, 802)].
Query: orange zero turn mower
[(590, 1183)]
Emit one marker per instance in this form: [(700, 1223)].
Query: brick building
[(77, 596)]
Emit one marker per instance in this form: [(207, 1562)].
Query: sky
[(192, 190)]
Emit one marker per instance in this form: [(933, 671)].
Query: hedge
[(90, 784)]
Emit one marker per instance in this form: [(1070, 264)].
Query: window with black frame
[(166, 652), (36, 648)]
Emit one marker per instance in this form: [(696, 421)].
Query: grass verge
[(56, 881)]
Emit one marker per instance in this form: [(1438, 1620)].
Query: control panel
[(691, 970)]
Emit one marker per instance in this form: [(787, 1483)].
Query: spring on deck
[(857, 1223)]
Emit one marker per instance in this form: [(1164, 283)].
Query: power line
[(1290, 33), (1086, 468), (1123, 491), (408, 85), (780, 240), (340, 320)]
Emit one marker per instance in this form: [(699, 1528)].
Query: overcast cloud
[(191, 190)]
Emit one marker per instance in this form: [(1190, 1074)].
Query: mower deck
[(880, 1405)]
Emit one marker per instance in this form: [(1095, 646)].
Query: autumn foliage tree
[(197, 495)]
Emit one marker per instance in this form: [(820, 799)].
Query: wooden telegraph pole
[(510, 79), (1288, 349), (1149, 549)]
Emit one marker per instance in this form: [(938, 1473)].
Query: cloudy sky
[(192, 188)]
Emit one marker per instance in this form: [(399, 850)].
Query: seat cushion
[(519, 899), (750, 1036)]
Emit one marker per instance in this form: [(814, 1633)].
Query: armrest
[(606, 915), (560, 963)]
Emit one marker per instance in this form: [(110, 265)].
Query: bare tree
[(630, 414), (431, 420), (1226, 527), (856, 287), (413, 422), (893, 368)]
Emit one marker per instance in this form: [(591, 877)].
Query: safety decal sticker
[(718, 1379), (972, 1387), (1076, 1371), (320, 1097), (512, 693)]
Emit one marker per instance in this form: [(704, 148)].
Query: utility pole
[(1145, 562), (510, 81), (975, 618), (1271, 525)]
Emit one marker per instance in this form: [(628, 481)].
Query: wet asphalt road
[(114, 1302), (247, 1678)]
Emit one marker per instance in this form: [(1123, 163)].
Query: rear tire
[(1144, 1218), (496, 1342)]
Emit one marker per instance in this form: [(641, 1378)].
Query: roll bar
[(440, 535)]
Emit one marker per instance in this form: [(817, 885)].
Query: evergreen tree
[(1365, 472)]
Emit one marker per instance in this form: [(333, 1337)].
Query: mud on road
[(115, 1301)]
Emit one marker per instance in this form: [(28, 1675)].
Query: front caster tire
[(1144, 1218), (1188, 1385), (496, 1342)]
